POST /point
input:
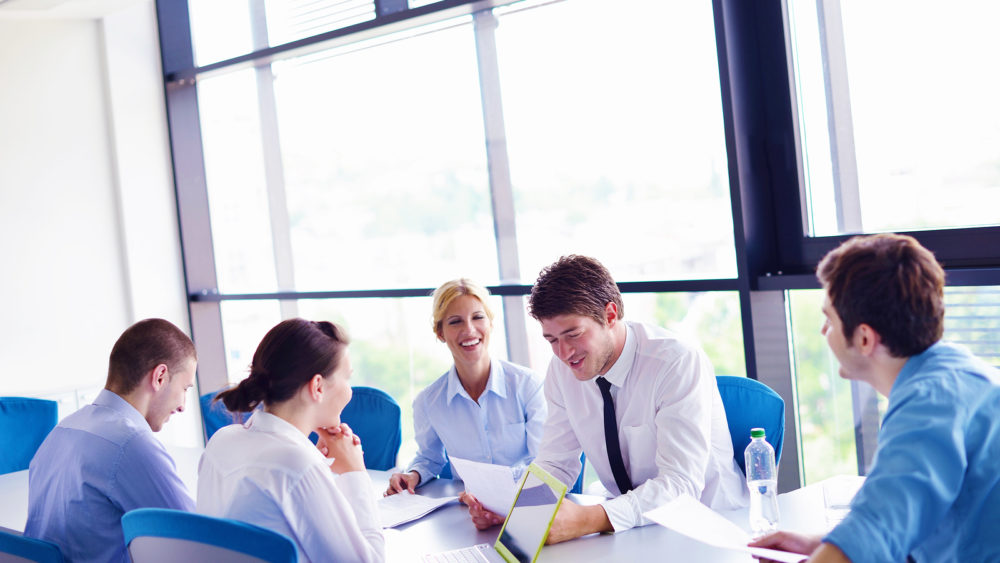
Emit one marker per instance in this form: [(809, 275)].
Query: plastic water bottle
[(762, 479)]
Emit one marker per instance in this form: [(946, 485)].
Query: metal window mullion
[(866, 424), (839, 118), (774, 357), (274, 171), (801, 155), (847, 196), (194, 218), (196, 229), (501, 190)]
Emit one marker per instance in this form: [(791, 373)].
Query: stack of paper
[(404, 507)]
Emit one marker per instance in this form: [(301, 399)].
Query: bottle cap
[(756, 432)]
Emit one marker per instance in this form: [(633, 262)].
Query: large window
[(338, 161), (471, 145), (897, 113), (616, 138)]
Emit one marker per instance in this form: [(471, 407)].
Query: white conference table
[(449, 527)]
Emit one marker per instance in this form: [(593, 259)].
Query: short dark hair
[(574, 285), (143, 346), (891, 283), (288, 357)]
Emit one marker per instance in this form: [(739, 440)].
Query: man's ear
[(159, 376), (611, 313), (866, 339)]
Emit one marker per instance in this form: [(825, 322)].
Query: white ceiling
[(62, 9)]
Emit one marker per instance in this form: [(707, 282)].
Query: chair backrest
[(578, 486), (161, 535), (24, 424), (751, 404), (215, 415), (19, 549), (376, 418)]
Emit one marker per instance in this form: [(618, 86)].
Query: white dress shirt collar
[(623, 365), (117, 403), (496, 382)]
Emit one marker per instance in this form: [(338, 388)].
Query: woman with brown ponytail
[(267, 472)]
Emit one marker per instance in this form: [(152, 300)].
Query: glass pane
[(244, 324), (223, 29), (918, 117), (825, 410), (393, 347), (711, 318), (220, 30), (972, 319), (385, 166), (237, 195), (616, 138), (289, 20)]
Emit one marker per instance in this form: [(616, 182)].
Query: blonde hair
[(452, 290)]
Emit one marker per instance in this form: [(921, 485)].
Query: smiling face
[(583, 344), (466, 328), (169, 398)]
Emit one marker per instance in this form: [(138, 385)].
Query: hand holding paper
[(492, 485)]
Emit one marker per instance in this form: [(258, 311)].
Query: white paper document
[(492, 485), (685, 515), (404, 507)]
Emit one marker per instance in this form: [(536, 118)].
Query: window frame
[(773, 251)]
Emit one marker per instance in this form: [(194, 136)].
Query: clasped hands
[(343, 445)]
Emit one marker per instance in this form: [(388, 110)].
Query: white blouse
[(268, 473)]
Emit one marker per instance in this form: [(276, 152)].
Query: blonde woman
[(482, 409)]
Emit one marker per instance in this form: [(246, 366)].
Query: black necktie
[(611, 438)]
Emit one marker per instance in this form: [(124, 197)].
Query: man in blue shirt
[(103, 460), (933, 492)]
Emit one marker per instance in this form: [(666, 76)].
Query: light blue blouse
[(934, 488), (504, 428)]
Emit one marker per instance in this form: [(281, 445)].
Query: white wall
[(88, 231)]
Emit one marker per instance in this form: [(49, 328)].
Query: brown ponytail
[(288, 357)]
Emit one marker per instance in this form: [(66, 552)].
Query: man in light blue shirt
[(103, 460), (933, 492)]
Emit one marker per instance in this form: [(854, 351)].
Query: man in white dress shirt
[(663, 408)]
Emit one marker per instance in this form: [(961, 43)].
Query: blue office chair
[(163, 535), (24, 424), (215, 415), (376, 418), (19, 548), (751, 404), (578, 486)]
